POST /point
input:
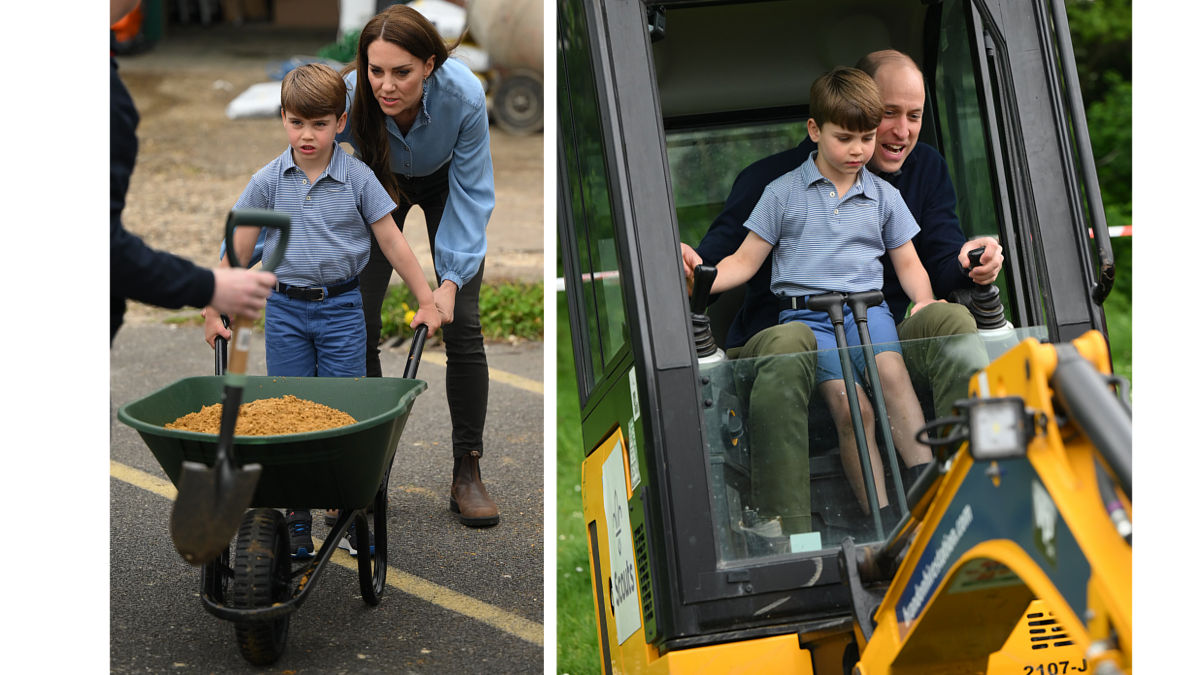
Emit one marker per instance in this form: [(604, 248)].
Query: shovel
[(211, 500)]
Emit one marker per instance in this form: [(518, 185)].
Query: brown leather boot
[(468, 496)]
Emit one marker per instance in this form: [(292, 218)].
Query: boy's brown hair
[(313, 90), (848, 97)]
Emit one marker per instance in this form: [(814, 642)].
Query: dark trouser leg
[(466, 362), (943, 365), (466, 370), (784, 369)]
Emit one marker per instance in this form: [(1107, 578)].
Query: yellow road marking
[(493, 374), (138, 478), (517, 626)]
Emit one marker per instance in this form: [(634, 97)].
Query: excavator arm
[(1027, 524)]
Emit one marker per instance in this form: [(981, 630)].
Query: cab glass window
[(962, 126), (705, 162), (590, 208)]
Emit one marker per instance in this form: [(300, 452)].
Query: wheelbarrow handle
[(235, 363), (221, 349), (414, 352)]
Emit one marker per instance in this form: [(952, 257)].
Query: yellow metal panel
[(778, 654)]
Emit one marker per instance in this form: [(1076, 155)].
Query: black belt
[(793, 302), (318, 293)]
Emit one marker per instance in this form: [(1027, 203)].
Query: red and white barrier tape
[(1115, 231)]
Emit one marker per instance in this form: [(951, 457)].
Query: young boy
[(314, 323), (828, 222)]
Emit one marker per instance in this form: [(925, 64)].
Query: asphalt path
[(458, 599)]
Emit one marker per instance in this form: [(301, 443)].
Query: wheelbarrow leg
[(372, 566)]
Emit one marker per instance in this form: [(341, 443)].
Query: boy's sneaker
[(350, 541), (299, 526)]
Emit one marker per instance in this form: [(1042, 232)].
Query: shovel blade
[(209, 507)]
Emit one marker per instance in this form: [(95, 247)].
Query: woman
[(420, 122)]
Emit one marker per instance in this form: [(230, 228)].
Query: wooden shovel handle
[(239, 344)]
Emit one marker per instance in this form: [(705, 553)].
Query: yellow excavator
[(1016, 556)]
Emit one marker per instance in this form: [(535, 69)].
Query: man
[(779, 394), (156, 277)]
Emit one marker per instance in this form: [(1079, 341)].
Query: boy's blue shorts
[(829, 366), (326, 338)]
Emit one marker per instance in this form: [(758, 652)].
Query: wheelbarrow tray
[(332, 468)]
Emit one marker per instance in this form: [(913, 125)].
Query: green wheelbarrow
[(253, 582)]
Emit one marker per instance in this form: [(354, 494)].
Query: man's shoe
[(299, 527), (468, 497), (350, 541)]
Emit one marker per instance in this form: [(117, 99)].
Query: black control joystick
[(985, 302), (703, 277)]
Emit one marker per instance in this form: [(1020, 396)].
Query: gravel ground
[(193, 161)]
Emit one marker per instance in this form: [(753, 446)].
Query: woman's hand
[(429, 316), (443, 299)]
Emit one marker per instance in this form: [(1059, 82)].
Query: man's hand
[(989, 264), (239, 292)]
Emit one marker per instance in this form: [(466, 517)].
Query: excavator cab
[(661, 104)]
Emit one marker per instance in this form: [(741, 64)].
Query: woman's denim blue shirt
[(452, 126)]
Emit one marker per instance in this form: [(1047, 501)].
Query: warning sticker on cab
[(622, 566)]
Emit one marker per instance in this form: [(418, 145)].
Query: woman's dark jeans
[(466, 363)]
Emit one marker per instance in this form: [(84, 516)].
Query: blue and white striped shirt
[(330, 237), (826, 243)]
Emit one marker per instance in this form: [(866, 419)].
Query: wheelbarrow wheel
[(261, 577), (372, 567)]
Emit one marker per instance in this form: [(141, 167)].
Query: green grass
[(507, 310), (578, 646)]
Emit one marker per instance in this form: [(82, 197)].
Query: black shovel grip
[(258, 218)]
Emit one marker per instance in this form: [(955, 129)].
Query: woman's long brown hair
[(406, 28)]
